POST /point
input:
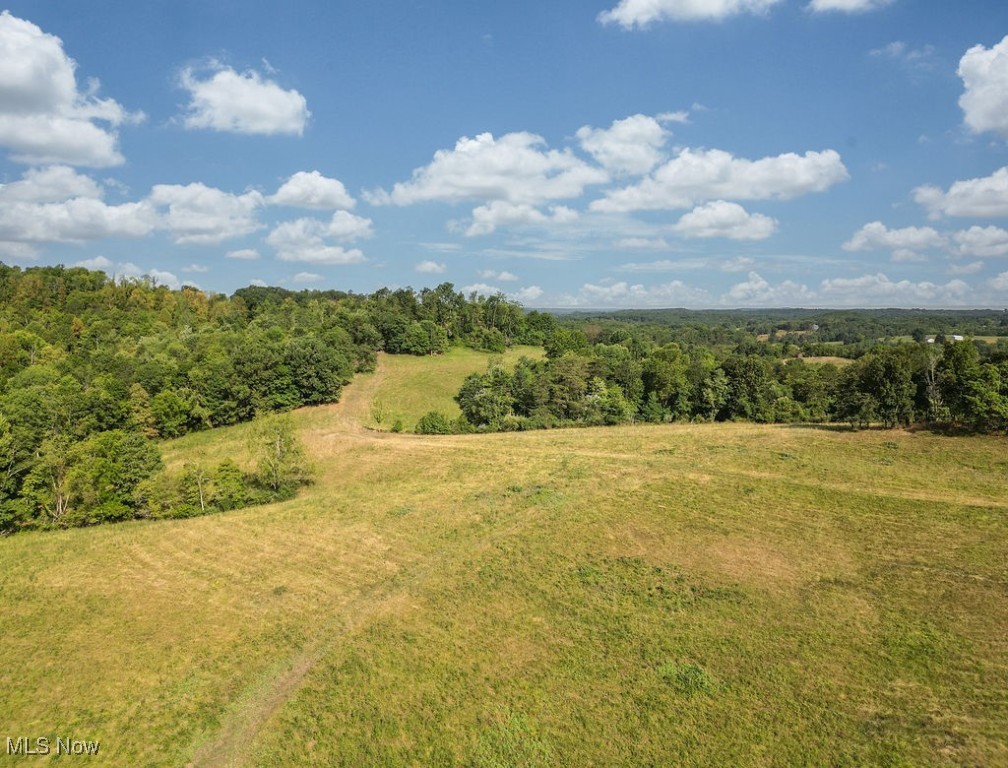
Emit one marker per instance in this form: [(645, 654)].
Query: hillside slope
[(681, 594)]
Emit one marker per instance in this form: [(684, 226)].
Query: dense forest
[(769, 366), (94, 372)]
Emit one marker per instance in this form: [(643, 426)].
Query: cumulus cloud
[(221, 99), (504, 277), (696, 176), (756, 291), (724, 219), (313, 191), (198, 269), (58, 205), (347, 226), (44, 117), (905, 244), (487, 218), (980, 198), (482, 289), (847, 6), (528, 294), (623, 294), (430, 268), (96, 263), (159, 277), (198, 214), (966, 269), (641, 13), (986, 242), (516, 168), (984, 72), (307, 277), (878, 289), (630, 146), (999, 283), (306, 240), (49, 185)]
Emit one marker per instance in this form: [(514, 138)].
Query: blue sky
[(608, 153)]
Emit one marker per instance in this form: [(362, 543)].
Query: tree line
[(621, 379), (95, 371)]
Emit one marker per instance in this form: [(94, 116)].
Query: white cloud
[(97, 263), (246, 254), (160, 277), (623, 294), (664, 265), (347, 226), (847, 6), (756, 291), (430, 268), (58, 205), (633, 145), (737, 264), (528, 294), (640, 13), (487, 218), (999, 283), (196, 213), (696, 176), (313, 191), (913, 59), (198, 269), (966, 269), (504, 277), (980, 198), (225, 100), (642, 243), (876, 290), (905, 244), (984, 72), (482, 289), (723, 219), (18, 251), (258, 282), (304, 240), (54, 184), (307, 277), (44, 118), (682, 116), (516, 168), (986, 242)]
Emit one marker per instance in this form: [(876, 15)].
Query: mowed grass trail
[(674, 595), (408, 387)]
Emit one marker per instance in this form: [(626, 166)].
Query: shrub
[(433, 423)]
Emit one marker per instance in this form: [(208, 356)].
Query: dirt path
[(234, 742)]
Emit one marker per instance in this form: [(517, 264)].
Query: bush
[(433, 423)]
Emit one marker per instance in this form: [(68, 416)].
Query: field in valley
[(714, 594)]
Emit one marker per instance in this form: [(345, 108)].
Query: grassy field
[(409, 386), (723, 594), (839, 362)]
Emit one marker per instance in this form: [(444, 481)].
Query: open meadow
[(711, 594)]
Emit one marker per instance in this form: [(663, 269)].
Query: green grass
[(723, 594), (411, 386)]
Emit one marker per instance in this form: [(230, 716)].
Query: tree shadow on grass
[(827, 427)]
